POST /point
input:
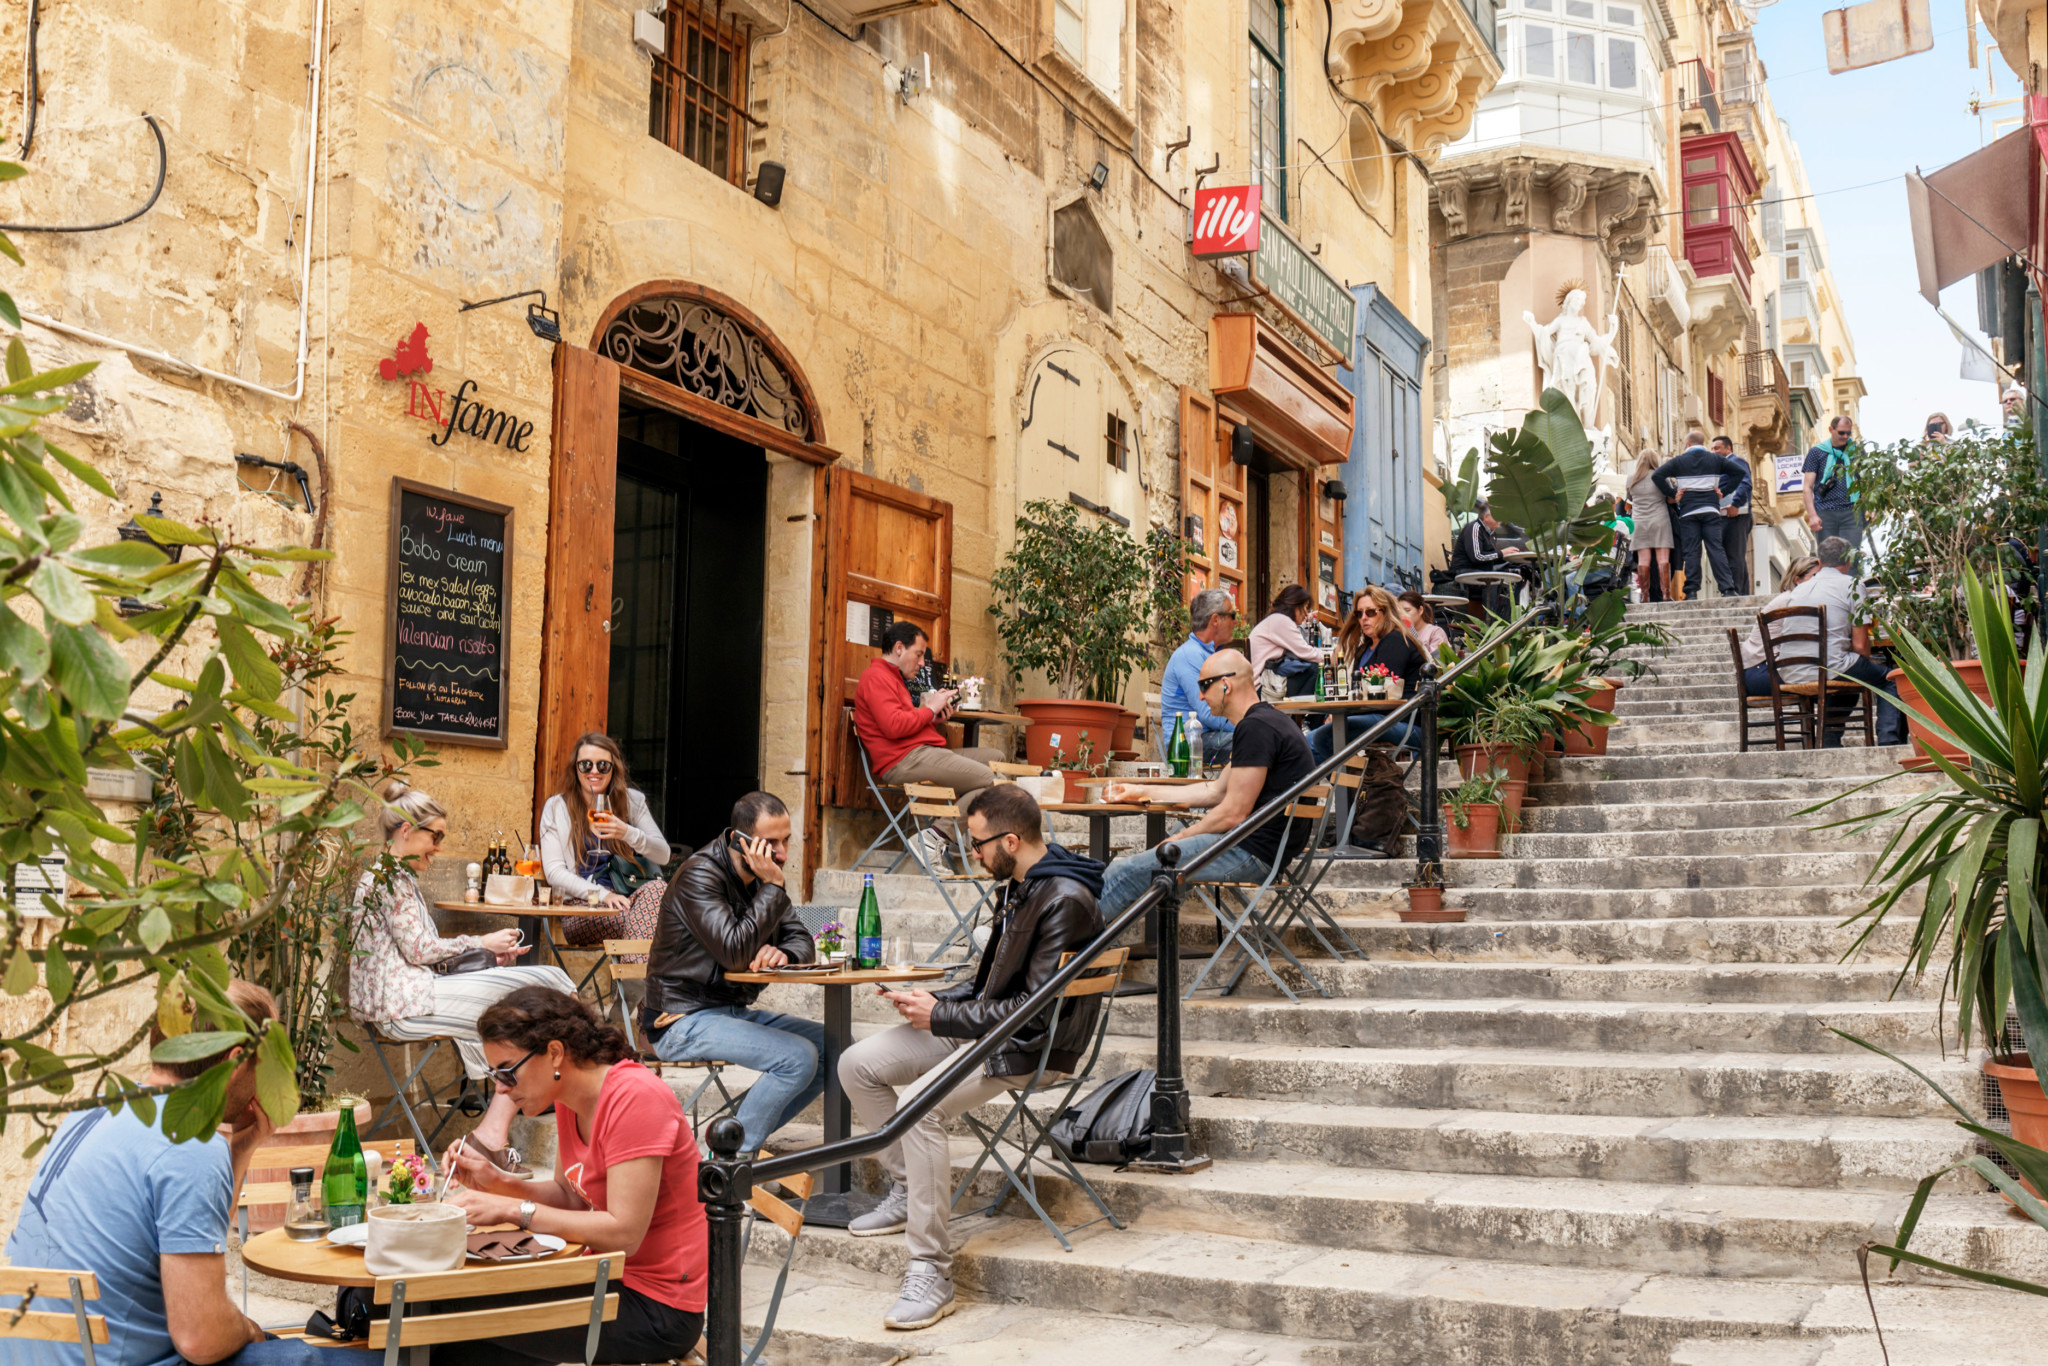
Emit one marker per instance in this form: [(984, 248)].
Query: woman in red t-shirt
[(625, 1179)]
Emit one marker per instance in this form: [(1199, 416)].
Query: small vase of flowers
[(970, 692), (831, 941), (408, 1178), (1376, 677)]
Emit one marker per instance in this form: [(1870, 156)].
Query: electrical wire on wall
[(30, 80), (163, 162)]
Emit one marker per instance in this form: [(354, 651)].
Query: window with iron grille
[(1119, 449), (699, 100), (1269, 103)]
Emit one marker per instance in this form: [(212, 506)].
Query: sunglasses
[(508, 1075), (435, 835), (1368, 612), (989, 839), (1202, 684), (593, 766)]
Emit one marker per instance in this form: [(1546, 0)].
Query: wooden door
[(1322, 544), (575, 663), (886, 550), (1212, 498)]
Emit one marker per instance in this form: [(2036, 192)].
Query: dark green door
[(688, 570)]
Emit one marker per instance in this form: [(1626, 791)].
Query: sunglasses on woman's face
[(594, 766), (508, 1074), (435, 835)]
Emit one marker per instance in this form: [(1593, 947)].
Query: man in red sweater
[(904, 742)]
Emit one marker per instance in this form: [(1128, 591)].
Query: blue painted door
[(1383, 521)]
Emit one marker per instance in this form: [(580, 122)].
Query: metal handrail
[(724, 1182)]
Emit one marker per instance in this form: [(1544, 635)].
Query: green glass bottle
[(1178, 754), (345, 1185), (867, 927)]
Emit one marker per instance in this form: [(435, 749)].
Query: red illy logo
[(1226, 221)]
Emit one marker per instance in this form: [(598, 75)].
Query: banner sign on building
[(1226, 221), (444, 651), (1791, 472), (1310, 294)]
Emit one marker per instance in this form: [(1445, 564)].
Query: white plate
[(349, 1235), (550, 1245)]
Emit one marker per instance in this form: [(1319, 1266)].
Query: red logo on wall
[(410, 358), (1226, 221)]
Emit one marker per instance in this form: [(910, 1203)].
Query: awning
[(1971, 213), (1299, 413)]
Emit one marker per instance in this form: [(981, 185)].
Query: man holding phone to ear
[(727, 911)]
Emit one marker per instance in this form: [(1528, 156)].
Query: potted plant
[(1082, 765), (1376, 679), (831, 942), (1971, 852), (1426, 901), (1075, 601), (1940, 519), (1472, 816)]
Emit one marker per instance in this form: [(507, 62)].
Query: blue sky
[(1877, 124)]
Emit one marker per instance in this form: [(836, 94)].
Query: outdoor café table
[(322, 1263), (1339, 714), (971, 722), (836, 1201), (552, 915)]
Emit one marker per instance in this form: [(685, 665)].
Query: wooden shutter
[(1212, 489), (575, 663), (884, 547)]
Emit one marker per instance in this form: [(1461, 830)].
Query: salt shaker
[(473, 892)]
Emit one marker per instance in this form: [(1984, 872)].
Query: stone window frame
[(1116, 115)]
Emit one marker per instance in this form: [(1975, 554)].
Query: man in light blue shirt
[(149, 1217), (1212, 618)]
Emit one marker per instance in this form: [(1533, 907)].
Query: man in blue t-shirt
[(1827, 483), (149, 1218), (1212, 619)]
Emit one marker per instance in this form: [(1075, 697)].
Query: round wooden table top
[(322, 1263), (1006, 718), (1310, 704), (1166, 781), (555, 909), (852, 977)]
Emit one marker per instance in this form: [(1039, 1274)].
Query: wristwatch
[(526, 1210)]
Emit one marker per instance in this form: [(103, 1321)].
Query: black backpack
[(1113, 1124)]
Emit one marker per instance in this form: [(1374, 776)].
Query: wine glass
[(599, 802)]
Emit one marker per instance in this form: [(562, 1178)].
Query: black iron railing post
[(1172, 1147), (723, 1184), (1429, 833)]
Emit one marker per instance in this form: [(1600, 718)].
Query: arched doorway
[(666, 429)]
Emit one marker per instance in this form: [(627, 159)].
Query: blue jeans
[(1128, 877), (297, 1352), (1401, 735), (782, 1048)]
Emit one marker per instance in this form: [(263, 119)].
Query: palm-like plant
[(1974, 847)]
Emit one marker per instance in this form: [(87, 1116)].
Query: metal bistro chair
[(615, 952), (901, 827), (280, 1192), (436, 1292), (933, 804), (22, 1324), (1033, 1140), (1811, 698), (1264, 904), (401, 1103), (1301, 888)]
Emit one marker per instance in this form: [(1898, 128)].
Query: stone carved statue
[(1572, 354)]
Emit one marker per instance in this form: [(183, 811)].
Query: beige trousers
[(882, 1072), (966, 771)]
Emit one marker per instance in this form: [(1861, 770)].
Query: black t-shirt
[(1266, 739)]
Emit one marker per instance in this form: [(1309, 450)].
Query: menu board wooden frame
[(400, 486)]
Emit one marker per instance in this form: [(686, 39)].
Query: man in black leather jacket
[(727, 911), (1046, 910)]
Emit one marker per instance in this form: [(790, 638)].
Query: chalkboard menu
[(444, 652)]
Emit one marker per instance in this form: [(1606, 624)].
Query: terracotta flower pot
[(1933, 741), (1125, 738), (1591, 739), (1075, 792), (1513, 792), (1072, 722), (1426, 907), (314, 1128), (1481, 836), (2021, 1090), (1473, 760)]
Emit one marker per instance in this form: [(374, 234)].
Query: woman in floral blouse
[(391, 982)]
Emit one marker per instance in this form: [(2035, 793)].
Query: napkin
[(496, 1247)]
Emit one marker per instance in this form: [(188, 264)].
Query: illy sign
[(1226, 221)]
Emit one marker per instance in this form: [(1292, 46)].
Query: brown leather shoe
[(505, 1159)]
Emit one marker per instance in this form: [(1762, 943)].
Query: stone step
[(1691, 793), (1983, 1340), (1790, 983), (1497, 904), (1747, 1232), (1906, 1027), (1648, 710), (1764, 939), (1781, 817), (1836, 764), (1819, 1154), (1537, 840), (1555, 1081), (1652, 870), (1385, 1307)]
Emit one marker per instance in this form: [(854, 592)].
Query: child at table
[(625, 1181)]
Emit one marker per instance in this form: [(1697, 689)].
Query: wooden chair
[(1745, 702), (1815, 694), (596, 1307), (617, 954), (280, 1192), (1033, 1141), (19, 1322)]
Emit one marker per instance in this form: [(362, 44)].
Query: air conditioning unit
[(650, 34)]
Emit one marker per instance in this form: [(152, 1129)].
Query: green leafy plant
[(1481, 789), (1082, 762), (1541, 673), (1609, 635), (1940, 511), (1974, 848), (1079, 600), (83, 687)]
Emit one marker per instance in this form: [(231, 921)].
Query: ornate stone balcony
[(1492, 192), (1421, 65), (1763, 407)]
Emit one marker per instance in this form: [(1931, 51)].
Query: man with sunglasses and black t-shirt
[(1268, 755), (727, 911)]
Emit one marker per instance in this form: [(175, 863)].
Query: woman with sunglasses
[(1375, 634), (603, 857), (391, 981), (625, 1181)]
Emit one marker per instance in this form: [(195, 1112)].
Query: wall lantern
[(1241, 443), (1333, 489), (1098, 177), (132, 530), (544, 321)]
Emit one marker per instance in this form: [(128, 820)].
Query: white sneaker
[(934, 850), (927, 1298), (891, 1216)]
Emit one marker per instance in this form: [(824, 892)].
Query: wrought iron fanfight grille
[(699, 100)]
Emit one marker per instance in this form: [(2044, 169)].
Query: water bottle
[(1177, 751), (867, 927), (345, 1185)]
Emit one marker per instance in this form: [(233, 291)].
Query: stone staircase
[(1604, 1120)]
